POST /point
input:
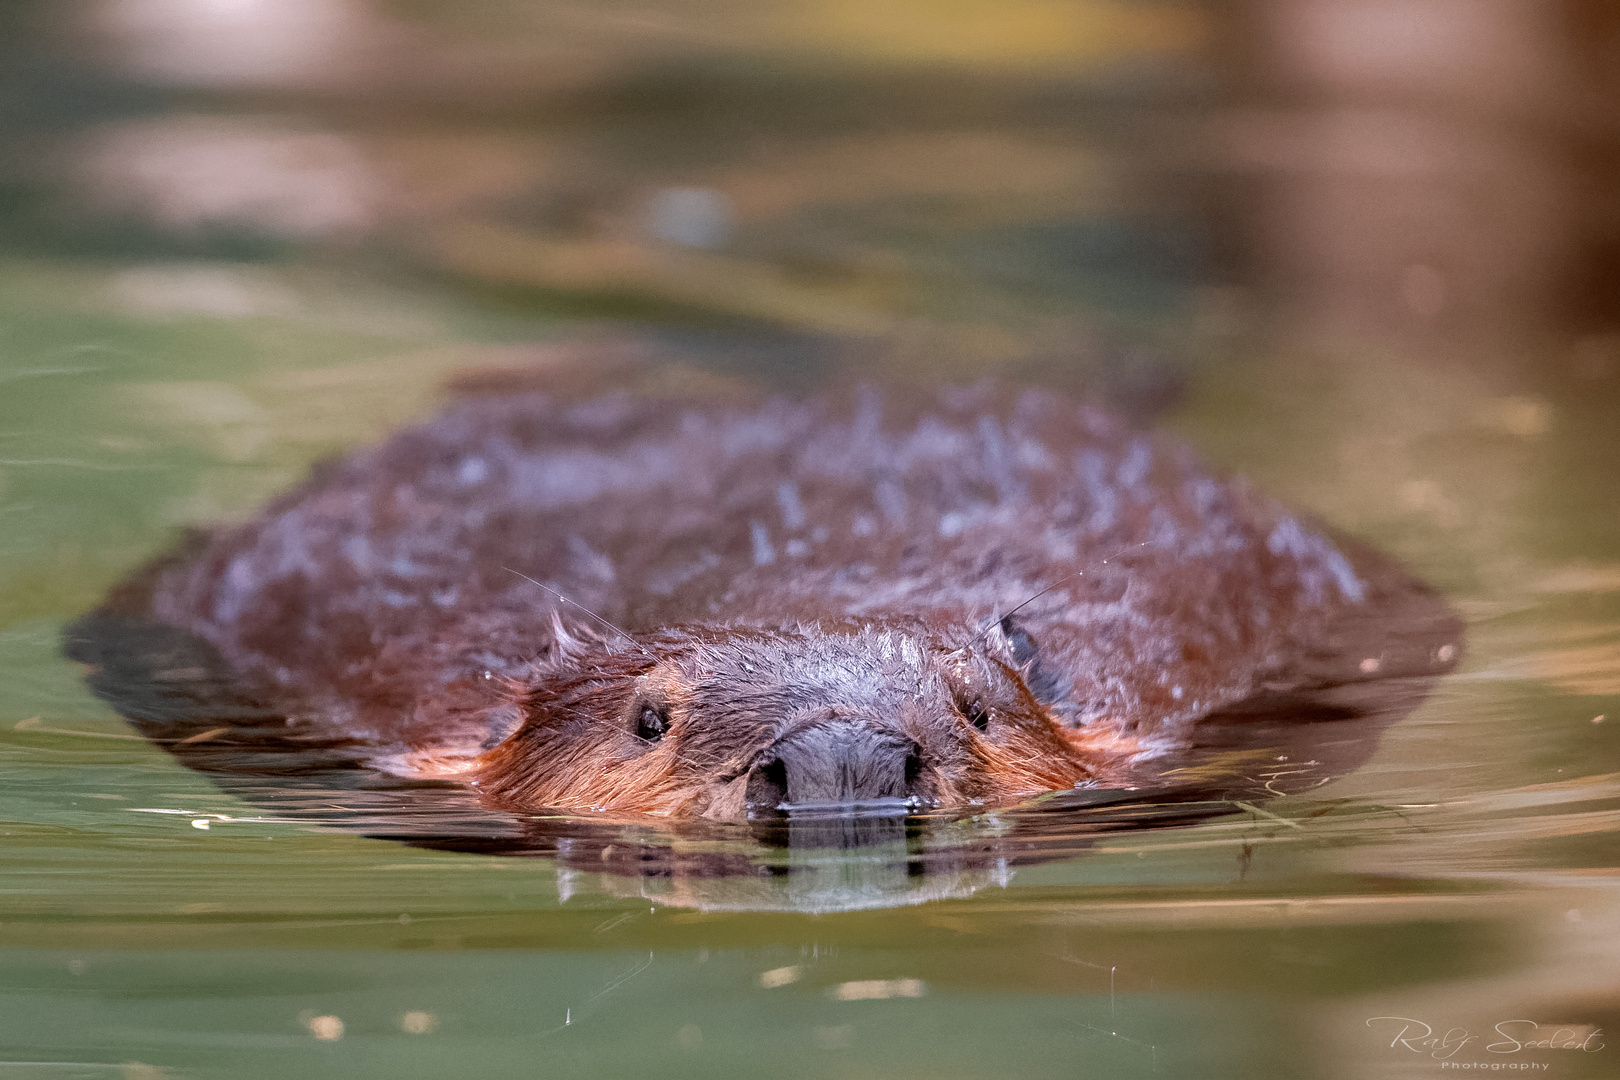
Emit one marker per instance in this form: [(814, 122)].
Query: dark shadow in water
[(177, 691)]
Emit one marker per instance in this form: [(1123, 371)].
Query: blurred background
[(1366, 252), (986, 180), (228, 209)]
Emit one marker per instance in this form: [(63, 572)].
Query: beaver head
[(723, 721)]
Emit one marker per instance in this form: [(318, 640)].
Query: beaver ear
[(565, 643), (1048, 685), (1019, 643)]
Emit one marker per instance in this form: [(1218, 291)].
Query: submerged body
[(967, 598)]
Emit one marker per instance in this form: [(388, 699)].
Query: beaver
[(716, 609)]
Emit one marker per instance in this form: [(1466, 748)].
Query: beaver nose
[(839, 761)]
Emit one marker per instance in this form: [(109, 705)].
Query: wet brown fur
[(764, 576), (577, 705)]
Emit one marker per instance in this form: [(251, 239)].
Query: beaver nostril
[(767, 786), (914, 768)]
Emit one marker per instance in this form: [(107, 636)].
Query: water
[(1421, 911), (154, 923)]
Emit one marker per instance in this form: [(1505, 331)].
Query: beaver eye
[(978, 716), (651, 723)]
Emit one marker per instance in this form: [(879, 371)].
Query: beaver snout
[(835, 761)]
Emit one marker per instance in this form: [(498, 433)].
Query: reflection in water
[(178, 692)]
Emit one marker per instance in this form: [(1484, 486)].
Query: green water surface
[(1465, 877)]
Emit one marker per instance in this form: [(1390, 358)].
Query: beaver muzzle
[(833, 763)]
